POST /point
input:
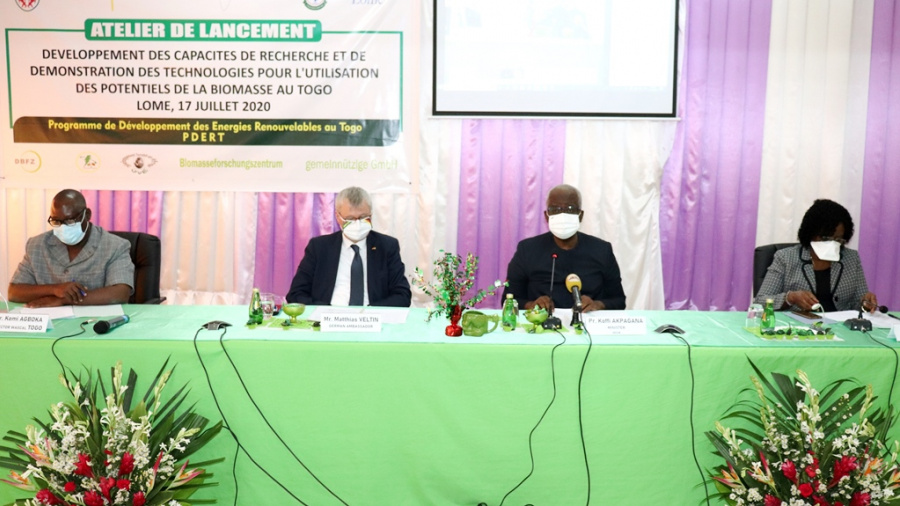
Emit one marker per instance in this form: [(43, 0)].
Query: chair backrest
[(762, 259), (146, 253)]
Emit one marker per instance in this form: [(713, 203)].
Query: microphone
[(884, 309), (573, 284), (552, 273), (552, 322), (104, 326)]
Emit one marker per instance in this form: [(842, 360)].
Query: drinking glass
[(754, 316), (267, 302), (293, 309)]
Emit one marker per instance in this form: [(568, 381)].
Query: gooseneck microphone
[(884, 309), (573, 284), (552, 274), (104, 326), (859, 323), (552, 322)]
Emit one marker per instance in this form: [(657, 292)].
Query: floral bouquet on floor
[(806, 447), (101, 450), (451, 281)]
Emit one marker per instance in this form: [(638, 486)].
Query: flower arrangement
[(806, 447), (99, 450), (451, 280)]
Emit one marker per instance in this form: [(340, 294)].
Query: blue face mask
[(71, 234)]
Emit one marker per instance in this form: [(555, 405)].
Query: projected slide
[(554, 57)]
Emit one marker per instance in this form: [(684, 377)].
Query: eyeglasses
[(367, 217), (570, 209), (55, 223), (839, 240)]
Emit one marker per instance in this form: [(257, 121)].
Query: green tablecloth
[(411, 417)]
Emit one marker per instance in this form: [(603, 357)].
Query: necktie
[(356, 278)]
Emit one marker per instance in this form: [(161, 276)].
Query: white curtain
[(816, 104), (618, 165)]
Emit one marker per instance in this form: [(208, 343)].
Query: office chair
[(762, 259), (146, 253)]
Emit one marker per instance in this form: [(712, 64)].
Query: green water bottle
[(510, 313), (256, 312), (768, 317)]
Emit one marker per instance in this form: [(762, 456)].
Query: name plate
[(33, 323), (615, 324), (895, 332), (343, 322)]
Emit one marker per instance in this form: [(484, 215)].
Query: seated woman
[(821, 269)]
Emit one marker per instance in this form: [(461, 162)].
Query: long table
[(410, 416)]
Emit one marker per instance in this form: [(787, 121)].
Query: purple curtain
[(284, 225), (879, 237), (506, 169), (124, 210), (710, 186)]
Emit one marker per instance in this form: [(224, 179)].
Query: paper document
[(73, 311), (102, 311), (879, 320), (52, 312)]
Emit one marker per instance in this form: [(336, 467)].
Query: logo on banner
[(27, 5), (29, 161), (139, 163), (314, 4), (88, 162)]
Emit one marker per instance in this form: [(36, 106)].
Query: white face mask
[(357, 230), (564, 225), (830, 251), (70, 234)]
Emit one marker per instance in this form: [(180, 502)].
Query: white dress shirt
[(341, 295)]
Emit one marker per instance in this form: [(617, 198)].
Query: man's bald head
[(70, 197), (564, 193), (69, 206)]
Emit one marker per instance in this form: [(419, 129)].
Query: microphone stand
[(859, 323), (576, 324), (552, 322)]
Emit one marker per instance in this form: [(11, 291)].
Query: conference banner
[(220, 95)]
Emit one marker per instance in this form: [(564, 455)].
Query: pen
[(82, 292)]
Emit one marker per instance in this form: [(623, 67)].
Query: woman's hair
[(821, 220)]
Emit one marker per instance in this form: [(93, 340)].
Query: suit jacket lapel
[(332, 259), (373, 258)]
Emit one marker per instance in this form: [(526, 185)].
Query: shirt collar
[(346, 243)]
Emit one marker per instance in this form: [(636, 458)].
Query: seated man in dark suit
[(353, 266), (563, 251)]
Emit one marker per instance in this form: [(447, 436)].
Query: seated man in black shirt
[(573, 252)]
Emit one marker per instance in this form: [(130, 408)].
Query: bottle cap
[(509, 296)]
